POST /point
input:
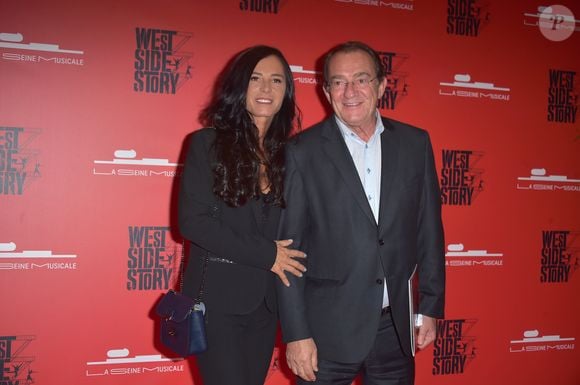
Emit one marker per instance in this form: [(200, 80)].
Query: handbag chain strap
[(181, 273), (202, 284)]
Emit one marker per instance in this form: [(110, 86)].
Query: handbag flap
[(174, 306)]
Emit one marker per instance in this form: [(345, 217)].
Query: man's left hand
[(426, 333)]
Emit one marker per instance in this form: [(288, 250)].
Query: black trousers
[(239, 347), (384, 365)]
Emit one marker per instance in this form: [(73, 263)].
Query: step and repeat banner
[(97, 99)]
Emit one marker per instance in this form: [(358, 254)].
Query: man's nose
[(349, 89)]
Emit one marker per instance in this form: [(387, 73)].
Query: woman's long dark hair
[(238, 154)]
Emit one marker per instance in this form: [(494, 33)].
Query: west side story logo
[(562, 97), (19, 161), (466, 17), (453, 347), (534, 342), (461, 182), (118, 362), (560, 256), (15, 363), (397, 86), (52, 53), (125, 163), (34, 259), (151, 258), (162, 64), (261, 6)]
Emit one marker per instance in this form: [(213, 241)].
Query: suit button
[(381, 242), (380, 281)]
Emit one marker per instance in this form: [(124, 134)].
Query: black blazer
[(221, 232), (338, 301)]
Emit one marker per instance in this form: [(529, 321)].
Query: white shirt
[(367, 160)]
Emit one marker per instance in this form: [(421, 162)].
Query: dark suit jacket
[(338, 301), (217, 230)]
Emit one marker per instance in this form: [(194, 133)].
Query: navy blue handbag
[(182, 319), (182, 324)]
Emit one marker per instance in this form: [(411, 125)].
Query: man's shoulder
[(312, 135), (405, 130), (397, 125)]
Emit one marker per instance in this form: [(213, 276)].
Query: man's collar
[(346, 131)]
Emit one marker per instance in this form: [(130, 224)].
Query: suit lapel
[(389, 165), (336, 149)]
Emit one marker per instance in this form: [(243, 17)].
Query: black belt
[(385, 310)]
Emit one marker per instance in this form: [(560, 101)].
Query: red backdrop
[(96, 99)]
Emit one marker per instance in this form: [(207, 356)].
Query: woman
[(229, 206)]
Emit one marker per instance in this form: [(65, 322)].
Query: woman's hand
[(285, 261)]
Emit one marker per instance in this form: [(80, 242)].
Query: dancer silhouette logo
[(560, 257), (454, 346), (162, 62), (19, 161), (397, 87), (15, 361), (562, 98), (466, 17), (151, 258), (461, 181), (261, 6)]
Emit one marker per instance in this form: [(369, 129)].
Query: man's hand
[(426, 333), (285, 261), (302, 358)]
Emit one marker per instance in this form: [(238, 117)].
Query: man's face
[(354, 104)]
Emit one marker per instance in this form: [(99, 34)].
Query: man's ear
[(382, 87), (326, 93)]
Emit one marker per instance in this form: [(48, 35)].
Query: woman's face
[(266, 91)]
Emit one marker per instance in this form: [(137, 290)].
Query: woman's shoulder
[(203, 134), (202, 138)]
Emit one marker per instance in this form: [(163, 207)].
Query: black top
[(243, 235)]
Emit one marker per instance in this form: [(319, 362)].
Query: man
[(363, 203)]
